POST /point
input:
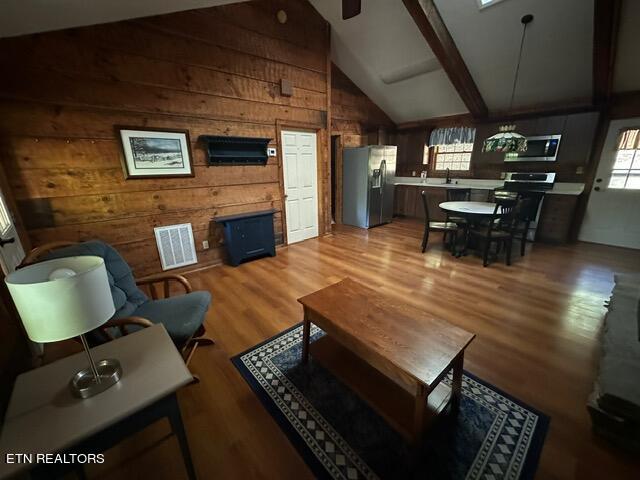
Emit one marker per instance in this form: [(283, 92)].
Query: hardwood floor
[(537, 325)]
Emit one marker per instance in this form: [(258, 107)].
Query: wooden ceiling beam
[(621, 103), (435, 32), (461, 120), (606, 17)]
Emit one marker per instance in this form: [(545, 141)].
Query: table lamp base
[(84, 383)]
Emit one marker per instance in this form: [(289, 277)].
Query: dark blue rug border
[(537, 438), (528, 469), (305, 452)]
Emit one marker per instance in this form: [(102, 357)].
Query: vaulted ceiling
[(384, 52), (557, 56), (20, 17), (557, 61), (381, 44)]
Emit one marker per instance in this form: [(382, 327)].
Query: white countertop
[(559, 188)]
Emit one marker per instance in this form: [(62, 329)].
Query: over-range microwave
[(543, 148)]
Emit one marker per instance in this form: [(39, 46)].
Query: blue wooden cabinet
[(248, 235)]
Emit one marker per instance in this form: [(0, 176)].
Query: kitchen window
[(456, 156), (626, 169), (451, 148)]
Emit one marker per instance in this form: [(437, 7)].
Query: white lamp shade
[(68, 306)]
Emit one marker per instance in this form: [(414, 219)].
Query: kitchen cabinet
[(553, 226), (555, 219), (408, 201)]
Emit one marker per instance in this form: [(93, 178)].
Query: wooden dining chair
[(502, 193), (528, 214), (458, 195), (429, 226), (500, 229)]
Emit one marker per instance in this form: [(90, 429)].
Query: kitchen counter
[(559, 188)]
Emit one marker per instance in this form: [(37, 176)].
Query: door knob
[(3, 242)]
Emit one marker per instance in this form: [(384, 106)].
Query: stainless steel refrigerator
[(368, 175)]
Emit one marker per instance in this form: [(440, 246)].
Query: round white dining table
[(471, 211), (469, 208)]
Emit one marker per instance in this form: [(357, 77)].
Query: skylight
[(487, 3)]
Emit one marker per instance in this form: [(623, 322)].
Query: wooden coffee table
[(392, 355)]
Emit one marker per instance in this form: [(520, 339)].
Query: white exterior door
[(613, 212), (11, 251), (300, 171)]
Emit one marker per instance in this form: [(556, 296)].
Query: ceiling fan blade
[(350, 8)]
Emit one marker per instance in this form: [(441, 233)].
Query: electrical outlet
[(271, 152), (205, 244)]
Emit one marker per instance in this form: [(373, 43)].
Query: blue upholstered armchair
[(182, 315)]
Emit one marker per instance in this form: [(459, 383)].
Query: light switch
[(271, 151)]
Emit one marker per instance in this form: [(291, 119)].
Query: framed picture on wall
[(155, 152)]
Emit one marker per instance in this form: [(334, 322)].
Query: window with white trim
[(5, 219), (454, 156), (626, 169)]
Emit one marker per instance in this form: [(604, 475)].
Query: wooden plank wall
[(353, 114), (577, 130), (356, 120), (410, 151), (211, 71)]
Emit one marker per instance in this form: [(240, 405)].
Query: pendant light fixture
[(508, 140)]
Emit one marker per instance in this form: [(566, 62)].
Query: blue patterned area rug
[(494, 436)]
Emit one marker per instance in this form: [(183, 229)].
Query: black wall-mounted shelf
[(223, 150)]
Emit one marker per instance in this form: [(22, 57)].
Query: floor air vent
[(175, 245)]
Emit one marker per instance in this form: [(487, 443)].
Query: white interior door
[(613, 212), (300, 164)]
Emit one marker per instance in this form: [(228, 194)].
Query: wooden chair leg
[(425, 238), (485, 256), (191, 346), (509, 243), (523, 241)]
